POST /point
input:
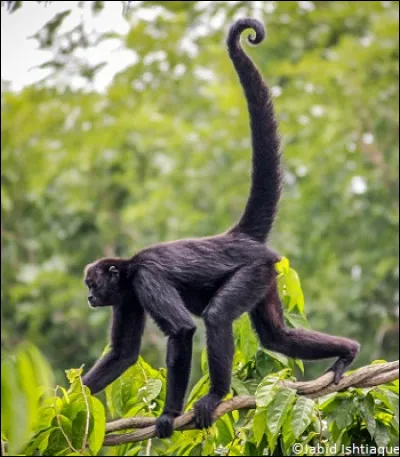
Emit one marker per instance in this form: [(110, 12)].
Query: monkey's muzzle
[(92, 302)]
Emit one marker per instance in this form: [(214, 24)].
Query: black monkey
[(218, 278)]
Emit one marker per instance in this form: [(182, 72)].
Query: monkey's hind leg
[(237, 295), (268, 322)]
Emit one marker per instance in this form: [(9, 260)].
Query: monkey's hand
[(204, 409), (165, 425)]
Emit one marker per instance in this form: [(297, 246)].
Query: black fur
[(260, 210), (218, 278)]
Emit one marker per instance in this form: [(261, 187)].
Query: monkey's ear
[(113, 270)]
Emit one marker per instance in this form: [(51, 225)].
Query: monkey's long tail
[(259, 213)]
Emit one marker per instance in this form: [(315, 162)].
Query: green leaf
[(137, 409), (266, 392), (39, 442), (66, 425), (395, 424), (73, 374), (297, 320), (282, 266), (382, 435), (367, 413), (14, 408), (79, 428), (66, 451), (43, 373), (133, 385), (260, 424), (302, 415), (150, 390), (187, 440), (300, 364), (133, 451), (26, 377), (20, 393), (247, 341), (200, 388), (65, 393), (196, 449), (239, 387), (278, 411), (279, 407), (266, 365), (250, 449), (46, 414), (225, 431), (282, 359), (344, 414), (325, 402), (98, 416), (295, 291), (388, 398), (74, 406), (57, 443), (208, 445), (290, 290), (204, 361)]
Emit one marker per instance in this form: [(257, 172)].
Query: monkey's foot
[(165, 425), (341, 364), (204, 409), (338, 368)]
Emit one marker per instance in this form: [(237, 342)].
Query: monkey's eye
[(91, 285)]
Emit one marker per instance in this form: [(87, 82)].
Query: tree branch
[(368, 376)]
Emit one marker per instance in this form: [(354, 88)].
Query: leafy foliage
[(73, 422), (25, 378)]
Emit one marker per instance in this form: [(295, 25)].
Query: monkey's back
[(204, 262)]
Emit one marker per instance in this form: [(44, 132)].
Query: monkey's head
[(103, 280)]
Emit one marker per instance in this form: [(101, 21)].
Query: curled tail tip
[(242, 24)]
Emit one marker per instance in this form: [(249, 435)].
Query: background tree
[(163, 153)]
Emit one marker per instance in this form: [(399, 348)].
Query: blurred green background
[(162, 151)]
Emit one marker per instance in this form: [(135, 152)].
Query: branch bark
[(368, 376)]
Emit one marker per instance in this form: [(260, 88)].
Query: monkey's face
[(103, 283)]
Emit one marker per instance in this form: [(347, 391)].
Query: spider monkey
[(218, 278)]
